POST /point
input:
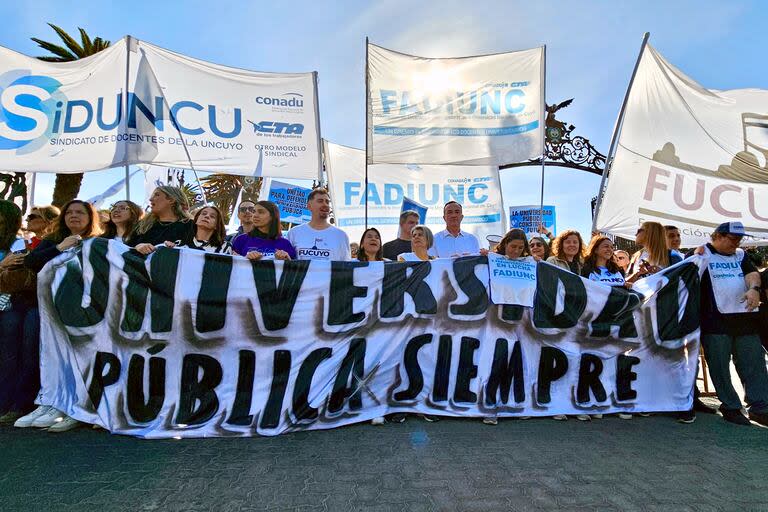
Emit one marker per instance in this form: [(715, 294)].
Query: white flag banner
[(688, 156), (476, 188), (483, 110), (182, 112), (189, 344)]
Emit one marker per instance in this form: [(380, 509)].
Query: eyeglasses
[(536, 244), (248, 209), (119, 209), (33, 216), (734, 238), (640, 230)]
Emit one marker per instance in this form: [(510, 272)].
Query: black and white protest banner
[(188, 344)]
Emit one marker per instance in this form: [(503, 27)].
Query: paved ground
[(644, 464)]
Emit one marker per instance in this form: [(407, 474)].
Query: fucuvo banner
[(479, 110), (693, 157), (177, 112), (188, 344)]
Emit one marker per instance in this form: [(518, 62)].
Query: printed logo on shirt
[(314, 251)]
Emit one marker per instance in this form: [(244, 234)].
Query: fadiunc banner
[(179, 112), (688, 156), (189, 344), (475, 187), (480, 110)]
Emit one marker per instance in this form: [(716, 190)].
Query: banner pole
[(367, 128), (128, 42), (319, 135), (616, 131), (32, 184), (543, 131)]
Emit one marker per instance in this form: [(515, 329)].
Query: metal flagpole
[(32, 190), (543, 130), (367, 127), (125, 114), (616, 130)]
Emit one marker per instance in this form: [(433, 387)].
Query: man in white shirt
[(673, 240), (318, 240), (452, 242)]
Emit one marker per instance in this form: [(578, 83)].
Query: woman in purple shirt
[(265, 240)]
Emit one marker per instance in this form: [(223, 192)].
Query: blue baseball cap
[(731, 228)]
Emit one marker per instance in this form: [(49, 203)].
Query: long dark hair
[(361, 256), (219, 232), (59, 231), (274, 231), (513, 234), (110, 228), (11, 215), (590, 260)]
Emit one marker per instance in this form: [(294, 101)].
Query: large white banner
[(189, 344), (688, 156), (477, 188), (483, 110), (182, 112)]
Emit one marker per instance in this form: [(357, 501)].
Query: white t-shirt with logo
[(728, 283), (603, 275), (330, 243)]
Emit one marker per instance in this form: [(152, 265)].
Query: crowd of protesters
[(728, 332)]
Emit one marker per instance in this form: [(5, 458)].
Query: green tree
[(222, 190), (67, 186)]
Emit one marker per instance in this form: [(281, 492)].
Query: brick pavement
[(646, 464)]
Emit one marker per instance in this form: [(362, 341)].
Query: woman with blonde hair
[(654, 255), (568, 251), (39, 220), (168, 221)]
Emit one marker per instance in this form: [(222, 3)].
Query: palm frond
[(73, 45), (57, 50), (86, 42)]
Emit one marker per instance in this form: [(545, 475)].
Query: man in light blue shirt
[(452, 242)]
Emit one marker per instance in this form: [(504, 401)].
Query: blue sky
[(591, 48)]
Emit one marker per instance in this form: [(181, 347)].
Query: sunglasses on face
[(247, 209), (641, 230), (33, 216)]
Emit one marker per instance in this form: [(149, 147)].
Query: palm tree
[(68, 185), (222, 190)]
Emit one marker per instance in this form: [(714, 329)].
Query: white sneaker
[(378, 420), (49, 418), (560, 417), (598, 416), (625, 416), (583, 417), (26, 421), (490, 420), (68, 423)]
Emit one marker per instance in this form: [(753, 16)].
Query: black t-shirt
[(180, 232), (714, 322), (395, 248)]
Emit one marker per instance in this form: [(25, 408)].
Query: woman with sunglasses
[(123, 217), (79, 220), (265, 239), (38, 222), (539, 248)]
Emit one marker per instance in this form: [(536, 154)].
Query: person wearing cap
[(452, 242), (730, 323)]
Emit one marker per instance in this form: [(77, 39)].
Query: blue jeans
[(19, 358), (749, 359)]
